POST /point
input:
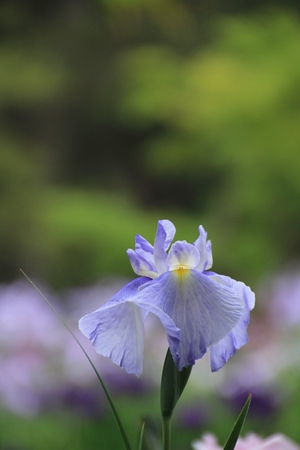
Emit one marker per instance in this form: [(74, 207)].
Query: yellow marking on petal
[(182, 272)]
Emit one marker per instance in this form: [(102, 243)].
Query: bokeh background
[(114, 114)]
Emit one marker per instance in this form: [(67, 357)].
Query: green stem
[(166, 429)]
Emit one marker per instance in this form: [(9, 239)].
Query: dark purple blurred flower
[(82, 401), (194, 416), (264, 402)]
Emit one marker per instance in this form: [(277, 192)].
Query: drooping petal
[(117, 329), (246, 293), (243, 291), (118, 333), (184, 255), (164, 235), (224, 349), (204, 310), (205, 250), (171, 329), (227, 347)]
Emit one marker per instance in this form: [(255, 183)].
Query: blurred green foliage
[(116, 114), (89, 233), (228, 141), (64, 429), (18, 200)]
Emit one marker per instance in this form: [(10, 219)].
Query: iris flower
[(199, 309)]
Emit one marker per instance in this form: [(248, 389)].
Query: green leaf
[(111, 404), (173, 383), (231, 441), (141, 437)]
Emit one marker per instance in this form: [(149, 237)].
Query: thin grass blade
[(141, 437), (111, 404)]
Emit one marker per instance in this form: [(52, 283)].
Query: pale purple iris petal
[(183, 254), (135, 260), (198, 309), (164, 235), (209, 258), (240, 288), (170, 231), (171, 329), (140, 265), (205, 250), (142, 258), (145, 249), (226, 347), (118, 333), (141, 244), (128, 291), (204, 310), (117, 329)]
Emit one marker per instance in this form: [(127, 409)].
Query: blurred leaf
[(26, 78), (234, 435)]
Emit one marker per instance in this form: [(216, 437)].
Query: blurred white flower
[(250, 442)]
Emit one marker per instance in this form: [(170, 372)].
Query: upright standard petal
[(183, 255), (117, 329), (140, 265), (143, 247), (205, 250), (204, 310), (164, 235)]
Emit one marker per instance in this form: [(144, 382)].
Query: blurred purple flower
[(274, 331), (250, 442), (199, 310), (264, 403), (75, 369), (29, 335), (81, 400), (195, 416), (40, 361), (282, 295), (22, 310)]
